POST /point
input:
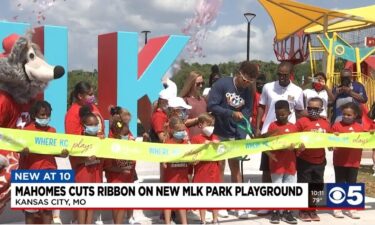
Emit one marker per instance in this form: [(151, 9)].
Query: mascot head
[(23, 71)]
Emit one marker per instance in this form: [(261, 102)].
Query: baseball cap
[(178, 102), (165, 94), (8, 43)]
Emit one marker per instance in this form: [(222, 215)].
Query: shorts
[(230, 139), (264, 162)]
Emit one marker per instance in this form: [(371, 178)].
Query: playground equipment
[(336, 35)]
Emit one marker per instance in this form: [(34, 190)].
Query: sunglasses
[(199, 84)]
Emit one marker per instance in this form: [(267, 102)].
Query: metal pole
[(249, 17), (248, 41), (146, 32)]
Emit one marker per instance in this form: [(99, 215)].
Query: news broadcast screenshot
[(187, 112)]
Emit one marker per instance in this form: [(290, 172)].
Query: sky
[(225, 37)]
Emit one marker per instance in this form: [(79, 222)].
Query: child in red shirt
[(120, 171), (311, 163), (346, 161), (176, 172), (206, 171), (87, 169), (40, 114), (282, 163)]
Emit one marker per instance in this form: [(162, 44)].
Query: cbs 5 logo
[(345, 194)]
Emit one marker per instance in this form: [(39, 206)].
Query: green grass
[(365, 176)]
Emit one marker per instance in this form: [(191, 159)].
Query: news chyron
[(56, 189)]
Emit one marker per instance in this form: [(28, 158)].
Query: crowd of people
[(197, 115)]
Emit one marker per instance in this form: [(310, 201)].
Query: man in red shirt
[(311, 162)]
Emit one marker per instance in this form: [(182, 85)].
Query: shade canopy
[(290, 17)]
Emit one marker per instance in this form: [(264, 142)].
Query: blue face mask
[(91, 130), (42, 122), (179, 135)]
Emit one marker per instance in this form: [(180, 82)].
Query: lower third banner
[(157, 196)]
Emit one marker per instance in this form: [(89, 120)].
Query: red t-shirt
[(128, 166), (176, 172), (73, 121), (314, 156), (255, 110), (347, 157), (206, 171), (286, 159), (35, 161), (158, 120), (9, 111)]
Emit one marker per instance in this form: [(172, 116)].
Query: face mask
[(42, 122), (90, 100), (347, 120), (208, 131), (125, 137), (91, 130), (179, 135), (314, 113), (318, 86)]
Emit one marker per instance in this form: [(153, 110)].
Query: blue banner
[(42, 176)]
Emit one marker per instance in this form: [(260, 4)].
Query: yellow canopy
[(366, 14), (290, 17)]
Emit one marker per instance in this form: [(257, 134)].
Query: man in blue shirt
[(230, 100), (348, 91)]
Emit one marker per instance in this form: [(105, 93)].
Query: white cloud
[(175, 5), (228, 43), (86, 19)]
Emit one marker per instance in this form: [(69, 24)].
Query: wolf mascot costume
[(23, 75)]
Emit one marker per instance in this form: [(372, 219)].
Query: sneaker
[(263, 212), (242, 214), (314, 216), (275, 217), (338, 214), (190, 215), (304, 216), (354, 214), (132, 221), (215, 223), (288, 217), (56, 220), (223, 213)]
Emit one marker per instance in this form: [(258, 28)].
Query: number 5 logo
[(355, 195), (345, 195)]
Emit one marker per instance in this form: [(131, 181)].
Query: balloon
[(33, 11), (206, 12)]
